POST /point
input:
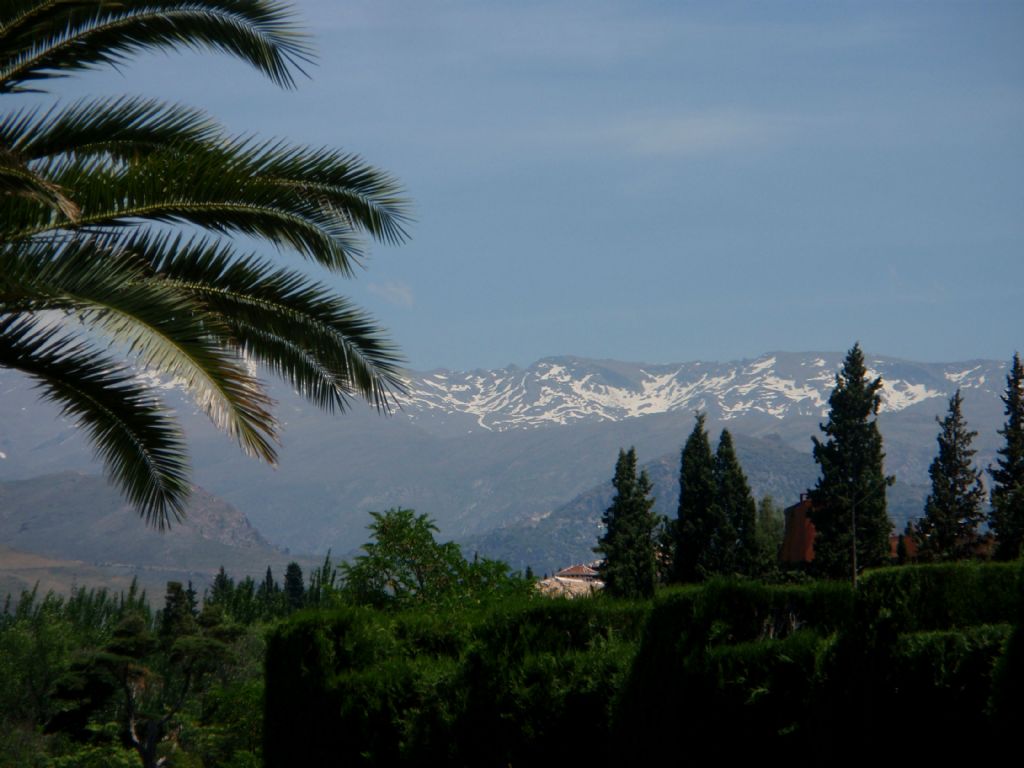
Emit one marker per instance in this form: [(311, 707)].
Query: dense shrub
[(941, 595), (733, 663)]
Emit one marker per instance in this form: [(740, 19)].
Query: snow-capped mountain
[(566, 390), (479, 450)]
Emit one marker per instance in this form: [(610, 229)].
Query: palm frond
[(317, 202), (161, 326), (43, 40), (17, 179), (121, 128), (132, 432), (326, 348)]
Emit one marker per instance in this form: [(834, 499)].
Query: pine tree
[(1007, 515), (700, 524), (628, 543), (738, 508), (952, 512), (850, 494)]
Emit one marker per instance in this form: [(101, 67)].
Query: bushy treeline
[(732, 665), (97, 679)]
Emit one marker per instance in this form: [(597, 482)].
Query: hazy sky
[(665, 181)]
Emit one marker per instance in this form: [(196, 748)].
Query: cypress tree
[(850, 494), (628, 543), (952, 512), (294, 587), (738, 511), (699, 521), (1007, 514)]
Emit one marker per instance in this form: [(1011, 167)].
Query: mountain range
[(506, 454)]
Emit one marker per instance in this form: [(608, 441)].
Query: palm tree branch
[(60, 39), (162, 326), (250, 294), (140, 445), (19, 180), (307, 209), (120, 128)]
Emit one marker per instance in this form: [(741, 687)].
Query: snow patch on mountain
[(568, 390)]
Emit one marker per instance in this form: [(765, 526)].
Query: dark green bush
[(941, 595), (731, 662)]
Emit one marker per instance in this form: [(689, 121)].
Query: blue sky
[(665, 181)]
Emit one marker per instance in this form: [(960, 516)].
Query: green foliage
[(703, 533), (770, 529), (405, 566), (717, 529), (90, 195), (942, 596), (628, 543), (76, 672), (850, 494), (294, 586), (736, 663), (1007, 515), (177, 617), (734, 498), (952, 512), (518, 681)]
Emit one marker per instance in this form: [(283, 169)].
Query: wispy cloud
[(393, 292), (703, 133)]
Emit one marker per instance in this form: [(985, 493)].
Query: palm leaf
[(18, 180), (120, 128), (317, 202), (46, 39), (160, 326), (132, 432), (326, 348)]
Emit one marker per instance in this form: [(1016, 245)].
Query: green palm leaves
[(118, 213)]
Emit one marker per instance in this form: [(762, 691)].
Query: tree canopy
[(404, 565)]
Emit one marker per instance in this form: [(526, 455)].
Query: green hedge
[(942, 595), (741, 663), (530, 679)]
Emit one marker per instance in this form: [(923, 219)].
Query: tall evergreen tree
[(1007, 515), (850, 494), (700, 522), (294, 586), (949, 528), (738, 508), (630, 569)]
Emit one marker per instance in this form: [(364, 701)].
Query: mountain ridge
[(435, 457)]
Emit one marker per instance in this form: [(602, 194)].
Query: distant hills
[(504, 455), (68, 528)]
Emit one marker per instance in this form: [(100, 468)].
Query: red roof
[(578, 571)]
